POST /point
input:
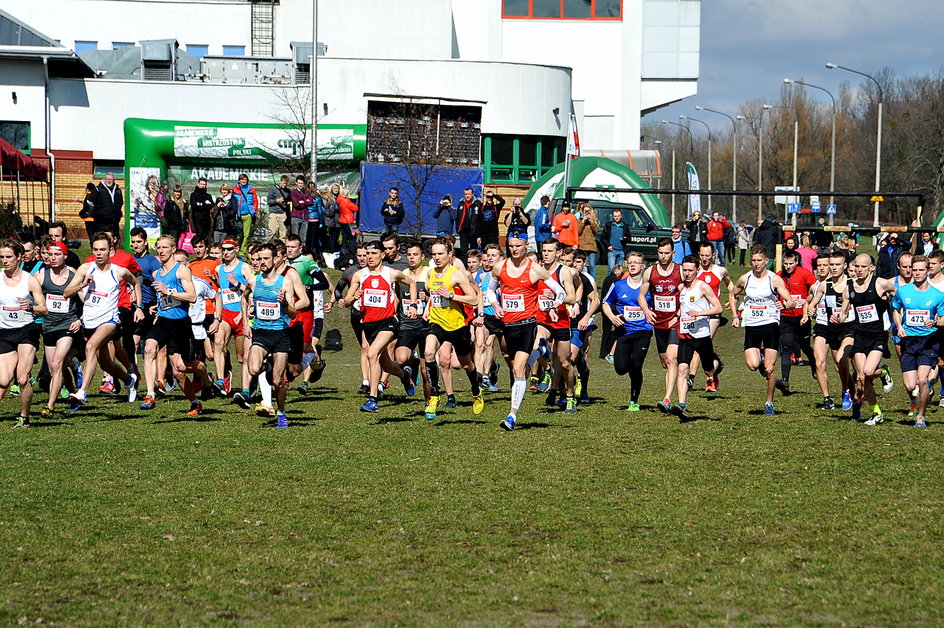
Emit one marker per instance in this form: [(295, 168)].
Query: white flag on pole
[(573, 138)]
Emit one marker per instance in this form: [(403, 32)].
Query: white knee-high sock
[(266, 389), (517, 394)]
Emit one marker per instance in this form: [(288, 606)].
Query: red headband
[(230, 242), (61, 246)]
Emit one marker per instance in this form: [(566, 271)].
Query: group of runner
[(418, 321)]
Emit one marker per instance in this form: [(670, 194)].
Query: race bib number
[(820, 312), (407, 303), (513, 302), (94, 298), (167, 302), (632, 313), (12, 314), (438, 300), (688, 324), (268, 311), (665, 304), (917, 318), (57, 304), (757, 312), (867, 313), (230, 297), (545, 304), (375, 298)]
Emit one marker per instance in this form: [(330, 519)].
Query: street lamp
[(832, 169), (734, 155), (878, 139), (796, 143), (681, 117)]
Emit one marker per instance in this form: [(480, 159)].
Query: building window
[(234, 51), (198, 50), (563, 9), (82, 46), (115, 45), (17, 134), (520, 160)]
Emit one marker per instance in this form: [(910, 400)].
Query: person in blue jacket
[(542, 222), (445, 216)]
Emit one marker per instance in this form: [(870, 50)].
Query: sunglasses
[(228, 248)]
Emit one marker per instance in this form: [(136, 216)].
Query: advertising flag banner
[(694, 200)]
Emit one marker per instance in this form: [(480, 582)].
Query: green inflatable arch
[(152, 145), (600, 173)]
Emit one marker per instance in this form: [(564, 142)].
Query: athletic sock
[(365, 382), (635, 383), (265, 389), (432, 374), (474, 381), (518, 389)]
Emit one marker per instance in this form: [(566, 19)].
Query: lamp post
[(832, 169), (313, 68), (878, 133), (681, 117), (691, 156), (734, 154)]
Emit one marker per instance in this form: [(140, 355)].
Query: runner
[(233, 276), (413, 331), (795, 322), (697, 304), (903, 278), (916, 309), (174, 286), (449, 289), (820, 332), (148, 264), (661, 283), (313, 282), (101, 283), (273, 301), (633, 331), (491, 328), (357, 326), (61, 323), (869, 296), (582, 323), (516, 279), (373, 287), (203, 267), (834, 293), (761, 318), (714, 275), (21, 300)]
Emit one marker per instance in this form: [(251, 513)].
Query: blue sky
[(749, 46)]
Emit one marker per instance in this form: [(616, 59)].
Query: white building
[(525, 63)]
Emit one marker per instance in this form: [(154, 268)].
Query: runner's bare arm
[(715, 302), (39, 301), (469, 296), (79, 281), (786, 299), (353, 291)]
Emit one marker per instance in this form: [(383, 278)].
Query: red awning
[(13, 161)]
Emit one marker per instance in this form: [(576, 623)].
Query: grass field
[(117, 516)]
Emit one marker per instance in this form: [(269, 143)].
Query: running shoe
[(876, 419), (21, 421), (206, 392), (170, 386), (609, 358), (158, 388), (451, 402), (914, 410), (381, 387), (718, 370), (856, 411), (14, 390), (485, 382), (132, 385), (196, 408), (545, 381), (266, 411), (584, 398), (508, 424), (148, 403), (407, 380), (107, 387), (431, 407), (228, 383), (370, 406), (769, 408), (561, 403), (364, 389), (784, 387), (859, 394), (827, 404), (493, 387), (920, 422), (681, 411), (78, 398), (665, 406), (493, 372), (219, 387), (710, 385), (533, 383), (578, 387), (846, 400), (47, 414), (551, 399), (690, 380), (79, 372), (241, 399), (281, 421), (302, 388), (571, 405), (941, 400), (887, 382), (632, 407), (63, 394), (478, 404)]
